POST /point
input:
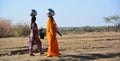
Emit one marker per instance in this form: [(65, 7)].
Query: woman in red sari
[(33, 38)]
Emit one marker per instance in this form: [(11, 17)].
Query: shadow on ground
[(94, 56), (20, 51)]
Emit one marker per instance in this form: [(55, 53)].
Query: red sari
[(34, 39)]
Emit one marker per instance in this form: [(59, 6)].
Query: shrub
[(20, 30), (5, 27)]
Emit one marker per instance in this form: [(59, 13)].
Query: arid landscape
[(94, 46)]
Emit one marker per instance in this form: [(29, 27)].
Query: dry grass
[(103, 46)]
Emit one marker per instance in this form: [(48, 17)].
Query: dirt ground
[(95, 46)]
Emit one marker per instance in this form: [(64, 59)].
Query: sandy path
[(84, 47)]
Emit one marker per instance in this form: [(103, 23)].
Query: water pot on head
[(50, 12), (33, 12)]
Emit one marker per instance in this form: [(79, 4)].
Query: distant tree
[(115, 19)]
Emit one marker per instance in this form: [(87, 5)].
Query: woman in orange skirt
[(53, 49)]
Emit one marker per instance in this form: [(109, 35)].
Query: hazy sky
[(68, 12)]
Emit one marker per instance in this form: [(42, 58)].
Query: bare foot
[(32, 55)]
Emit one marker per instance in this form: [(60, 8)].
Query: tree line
[(9, 30), (18, 30)]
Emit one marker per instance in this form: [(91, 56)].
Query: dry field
[(100, 46)]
